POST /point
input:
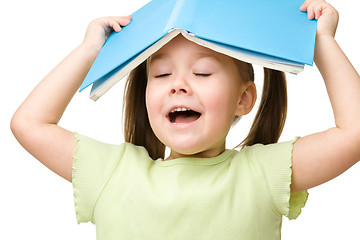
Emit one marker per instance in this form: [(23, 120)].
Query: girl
[(187, 97)]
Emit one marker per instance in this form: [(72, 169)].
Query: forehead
[(180, 45)]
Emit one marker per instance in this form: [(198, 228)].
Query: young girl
[(186, 97)]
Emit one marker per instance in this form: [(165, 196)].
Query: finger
[(311, 11), (117, 22), (123, 21), (318, 11), (113, 24), (304, 6)]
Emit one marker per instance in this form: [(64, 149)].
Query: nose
[(180, 85)]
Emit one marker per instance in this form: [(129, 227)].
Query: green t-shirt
[(236, 195)]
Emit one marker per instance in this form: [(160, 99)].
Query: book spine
[(174, 15)]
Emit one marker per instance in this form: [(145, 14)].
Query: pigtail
[(137, 129), (270, 118)]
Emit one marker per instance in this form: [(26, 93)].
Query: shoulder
[(273, 148), (94, 164), (272, 166), (97, 154), (92, 145), (270, 153)]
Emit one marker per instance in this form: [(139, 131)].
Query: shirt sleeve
[(273, 165), (93, 165)]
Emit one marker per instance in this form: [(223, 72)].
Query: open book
[(272, 33)]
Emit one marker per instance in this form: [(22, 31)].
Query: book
[(271, 33)]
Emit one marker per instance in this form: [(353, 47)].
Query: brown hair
[(271, 115), (266, 128), (137, 129)]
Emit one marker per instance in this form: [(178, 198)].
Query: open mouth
[(181, 115)]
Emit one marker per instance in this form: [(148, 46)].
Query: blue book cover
[(272, 33)]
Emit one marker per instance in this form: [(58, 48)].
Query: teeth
[(179, 109)]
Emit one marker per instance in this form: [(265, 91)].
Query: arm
[(320, 157), (34, 124)]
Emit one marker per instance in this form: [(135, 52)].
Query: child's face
[(184, 76)]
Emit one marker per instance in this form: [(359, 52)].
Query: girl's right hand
[(99, 30), (35, 122)]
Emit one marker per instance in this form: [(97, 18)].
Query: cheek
[(147, 96), (152, 100), (221, 99), (149, 99), (223, 104)]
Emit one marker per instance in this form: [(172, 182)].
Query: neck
[(208, 153)]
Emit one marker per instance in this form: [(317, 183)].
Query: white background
[(36, 203)]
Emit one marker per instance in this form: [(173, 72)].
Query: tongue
[(183, 118)]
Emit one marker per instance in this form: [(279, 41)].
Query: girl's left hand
[(326, 15), (100, 29)]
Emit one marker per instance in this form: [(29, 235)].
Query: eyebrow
[(198, 55), (156, 56), (207, 55)]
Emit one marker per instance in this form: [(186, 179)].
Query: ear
[(247, 99)]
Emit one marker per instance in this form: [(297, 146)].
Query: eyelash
[(202, 74), (163, 75), (196, 74)]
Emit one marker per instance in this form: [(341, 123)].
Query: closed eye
[(202, 74), (162, 75)]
